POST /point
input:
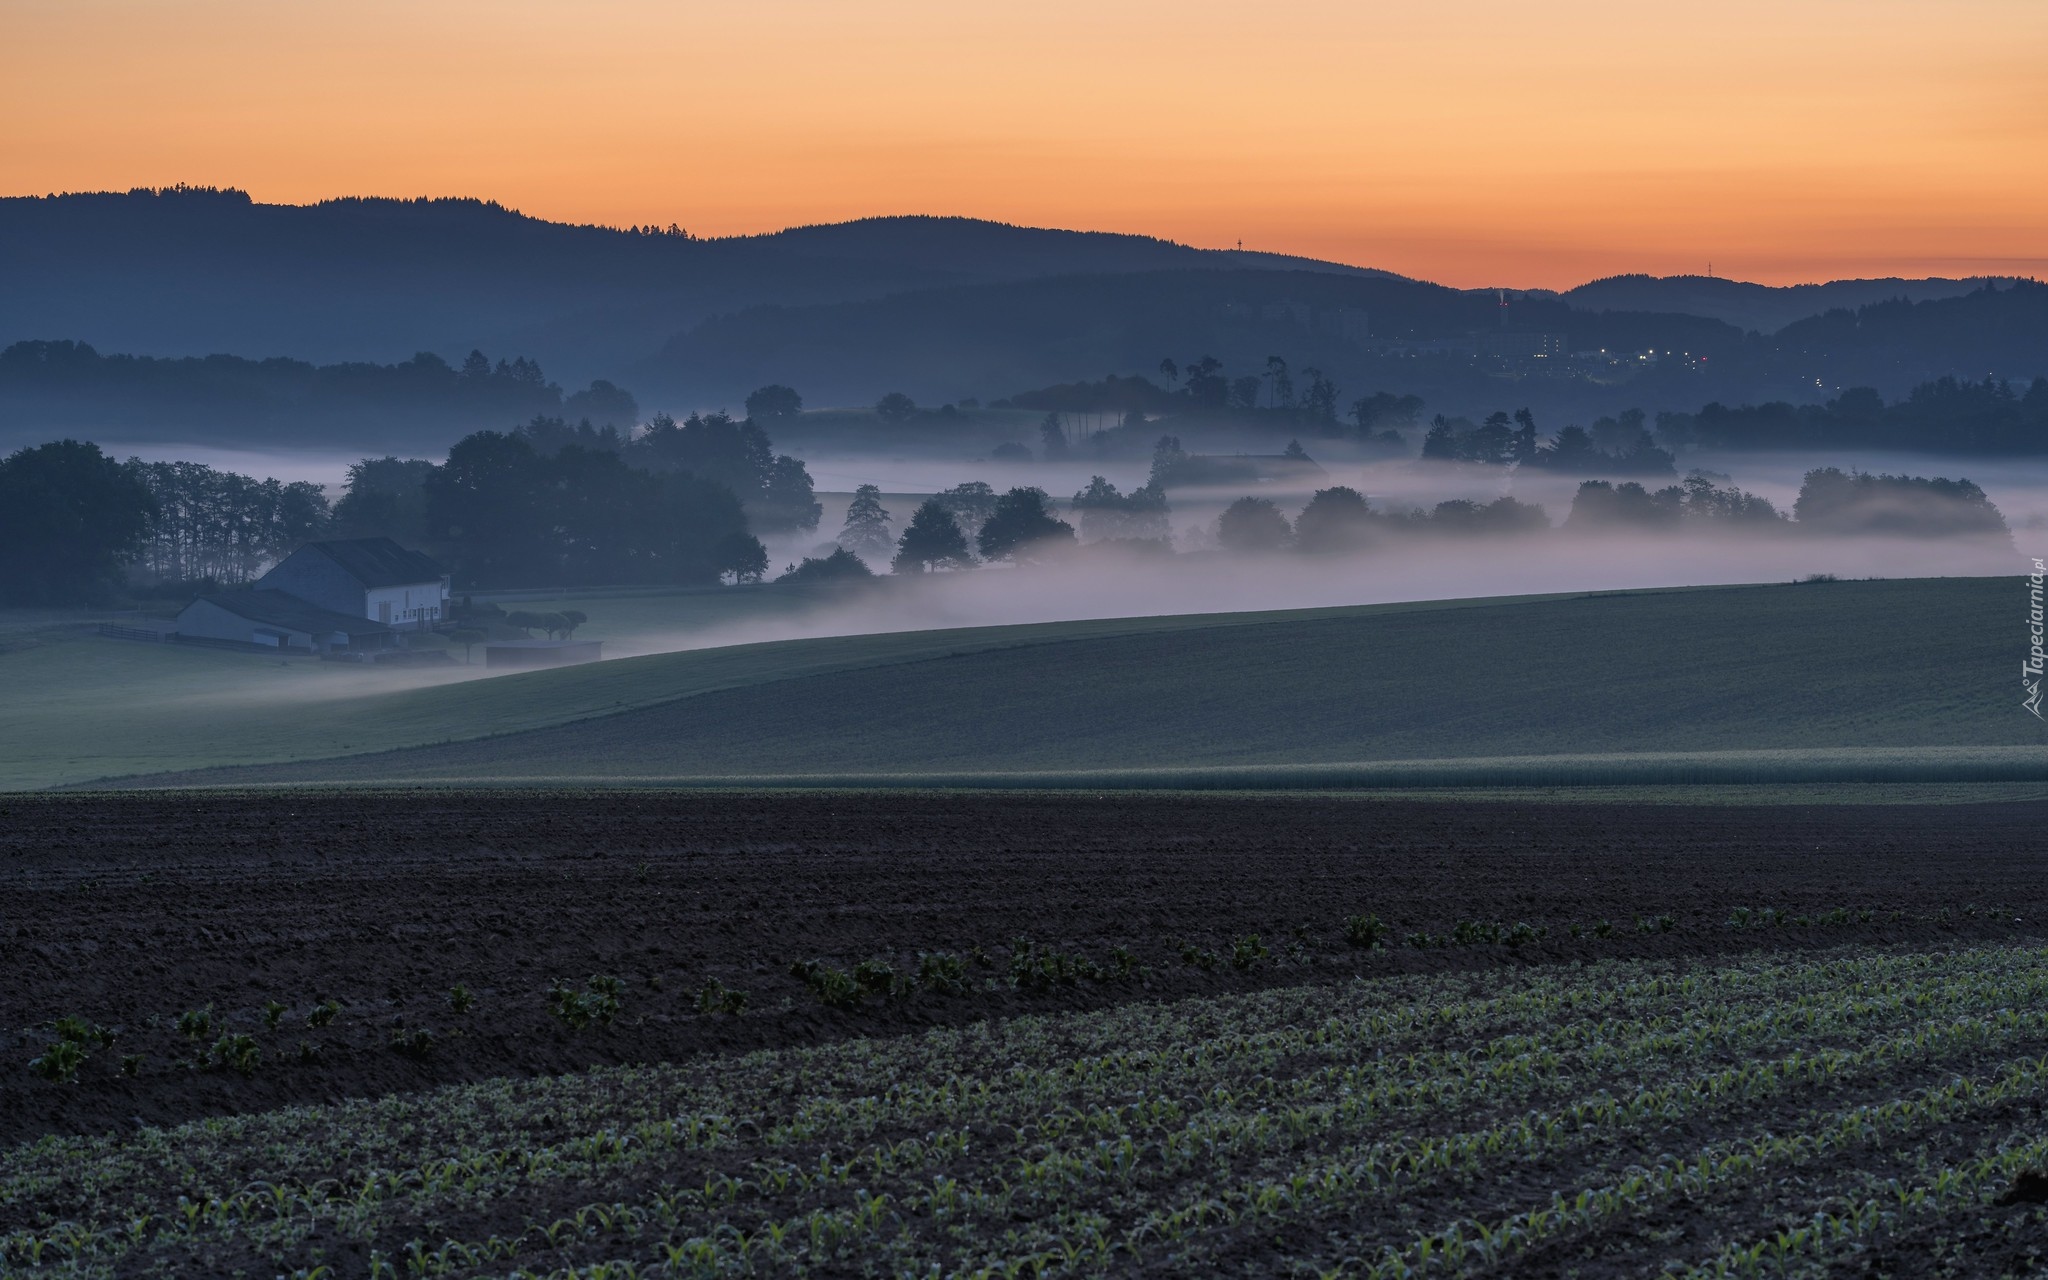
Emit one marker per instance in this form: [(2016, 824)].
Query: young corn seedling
[(1247, 951), (943, 973), (416, 1043), (1032, 969), (273, 1014), (1522, 934), (1366, 931), (461, 998), (715, 997), (237, 1053), (196, 1024), (323, 1013), (60, 1062), (598, 1002), (79, 1031), (835, 988), (878, 977)]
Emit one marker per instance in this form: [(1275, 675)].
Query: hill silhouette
[(338, 298), (195, 271), (1762, 308), (984, 339)]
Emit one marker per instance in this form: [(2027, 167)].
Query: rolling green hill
[(1904, 680)]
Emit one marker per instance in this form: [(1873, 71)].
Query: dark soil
[(128, 910)]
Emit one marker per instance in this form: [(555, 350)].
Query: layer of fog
[(1103, 584), (2017, 486)]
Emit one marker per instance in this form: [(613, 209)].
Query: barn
[(364, 578), (283, 622)]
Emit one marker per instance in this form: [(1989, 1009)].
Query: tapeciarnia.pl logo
[(2030, 670)]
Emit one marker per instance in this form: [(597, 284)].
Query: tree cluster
[(221, 527), (1018, 528), (71, 521), (1106, 514), (1947, 415), (1616, 446), (1830, 501), (1277, 396), (502, 512), (1339, 520), (775, 488), (70, 382)]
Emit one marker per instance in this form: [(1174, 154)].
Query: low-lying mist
[(1104, 582)]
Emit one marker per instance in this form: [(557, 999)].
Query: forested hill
[(1763, 308), (1370, 333), (197, 271), (979, 340)]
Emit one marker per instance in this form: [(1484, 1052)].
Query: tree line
[(1278, 395), (1614, 446), (543, 504), (1340, 519), (944, 533), (70, 383), (1948, 415)]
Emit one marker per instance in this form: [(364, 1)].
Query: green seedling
[(943, 973), (715, 997), (1366, 931), (60, 1062), (79, 1031), (417, 1043), (196, 1024), (237, 1053), (598, 1002)]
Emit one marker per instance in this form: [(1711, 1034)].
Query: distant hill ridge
[(194, 271), (939, 306), (1763, 308), (197, 270)]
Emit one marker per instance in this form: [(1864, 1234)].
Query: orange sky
[(1538, 143)]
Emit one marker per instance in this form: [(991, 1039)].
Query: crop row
[(600, 1000), (1387, 1120)]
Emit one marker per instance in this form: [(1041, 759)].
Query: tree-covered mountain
[(1458, 349), (374, 302), (194, 271), (423, 403), (981, 340), (1763, 308)]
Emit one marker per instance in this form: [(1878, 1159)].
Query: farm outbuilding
[(279, 621)]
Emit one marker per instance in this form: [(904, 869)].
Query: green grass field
[(1858, 682), (1803, 685), (1798, 1114)]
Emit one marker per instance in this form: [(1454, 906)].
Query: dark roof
[(378, 562), (277, 609)]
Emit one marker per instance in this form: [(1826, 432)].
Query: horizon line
[(655, 230)]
